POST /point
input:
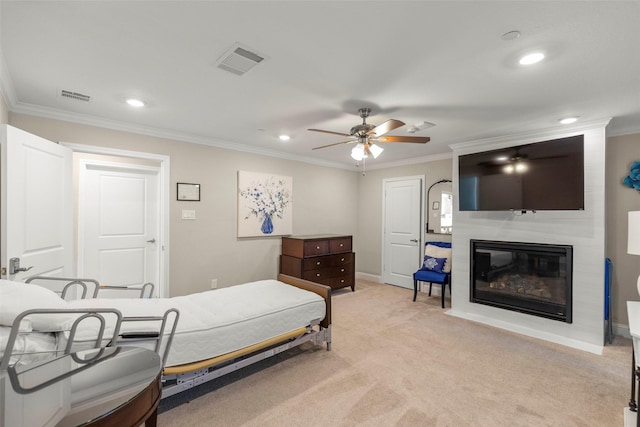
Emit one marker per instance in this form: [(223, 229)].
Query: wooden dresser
[(325, 259)]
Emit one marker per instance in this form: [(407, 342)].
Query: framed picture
[(435, 206), (265, 204), (188, 192)]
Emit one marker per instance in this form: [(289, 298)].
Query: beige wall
[(620, 199), (324, 201), (368, 246)]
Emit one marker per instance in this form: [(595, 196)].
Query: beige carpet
[(395, 362)]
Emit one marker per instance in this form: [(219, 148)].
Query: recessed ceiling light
[(568, 120), (532, 58), (284, 137), (135, 102)]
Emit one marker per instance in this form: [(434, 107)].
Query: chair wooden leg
[(415, 289)]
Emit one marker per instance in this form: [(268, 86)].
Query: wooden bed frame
[(179, 378)]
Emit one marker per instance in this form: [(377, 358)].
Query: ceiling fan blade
[(385, 127), (417, 139), (337, 143), (328, 131)]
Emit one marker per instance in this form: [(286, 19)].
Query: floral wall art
[(264, 204)]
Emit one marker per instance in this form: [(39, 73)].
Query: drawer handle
[(318, 263), (342, 270), (317, 247), (342, 259), (317, 274), (341, 280), (341, 244)]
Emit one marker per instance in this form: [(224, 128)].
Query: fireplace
[(524, 277)]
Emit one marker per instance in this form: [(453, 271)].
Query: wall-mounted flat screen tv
[(546, 175)]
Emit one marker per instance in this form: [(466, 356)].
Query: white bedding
[(29, 347), (223, 320)]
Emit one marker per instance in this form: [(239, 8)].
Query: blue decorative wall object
[(633, 180)]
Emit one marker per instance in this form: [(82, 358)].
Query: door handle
[(151, 241), (414, 240), (14, 266)]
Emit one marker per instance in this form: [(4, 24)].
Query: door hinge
[(3, 271)]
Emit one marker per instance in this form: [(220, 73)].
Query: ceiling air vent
[(238, 60), (75, 95)]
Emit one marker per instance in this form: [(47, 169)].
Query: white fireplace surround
[(584, 230)]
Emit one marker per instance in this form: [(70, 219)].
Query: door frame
[(422, 232), (164, 161)]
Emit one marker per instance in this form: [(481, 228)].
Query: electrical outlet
[(214, 283)]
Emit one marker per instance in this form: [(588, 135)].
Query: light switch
[(188, 214)]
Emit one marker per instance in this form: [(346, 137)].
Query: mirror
[(440, 207)]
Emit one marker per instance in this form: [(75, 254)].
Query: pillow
[(16, 297), (433, 264), (438, 252)]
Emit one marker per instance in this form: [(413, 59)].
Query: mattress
[(219, 321), (30, 347)]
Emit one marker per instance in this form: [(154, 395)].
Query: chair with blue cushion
[(431, 271)]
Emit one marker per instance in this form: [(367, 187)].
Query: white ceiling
[(437, 61)]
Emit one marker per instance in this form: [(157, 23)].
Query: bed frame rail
[(116, 338), (82, 314), (231, 362), (71, 282), (146, 290)]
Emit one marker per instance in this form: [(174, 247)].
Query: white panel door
[(119, 231), (402, 246), (37, 205)]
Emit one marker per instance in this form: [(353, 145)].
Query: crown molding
[(84, 119)]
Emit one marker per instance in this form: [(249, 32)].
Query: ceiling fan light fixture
[(358, 153), (375, 150), (284, 137)]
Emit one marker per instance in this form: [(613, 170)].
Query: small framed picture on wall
[(188, 192)]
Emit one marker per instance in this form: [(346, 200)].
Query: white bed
[(216, 322), (244, 323)]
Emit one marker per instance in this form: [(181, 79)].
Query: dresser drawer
[(325, 273), (316, 247), (341, 244), (326, 261), (339, 282)]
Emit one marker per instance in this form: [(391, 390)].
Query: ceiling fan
[(367, 134)]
